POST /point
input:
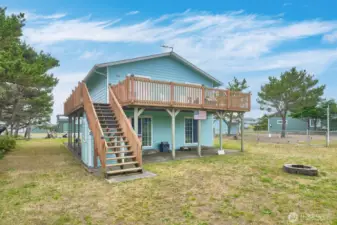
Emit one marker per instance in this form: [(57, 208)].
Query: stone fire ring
[(300, 169)]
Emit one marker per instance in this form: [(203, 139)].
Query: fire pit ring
[(300, 169)]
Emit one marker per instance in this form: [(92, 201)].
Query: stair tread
[(122, 157), (119, 152), (124, 146), (112, 132), (124, 170), (116, 141), (121, 164)]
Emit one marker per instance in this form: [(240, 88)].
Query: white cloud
[(221, 36), (31, 16), (91, 54), (132, 13), (223, 44), (330, 38)]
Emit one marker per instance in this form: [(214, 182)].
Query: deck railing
[(147, 92), (125, 125), (80, 97), (100, 145), (75, 100)]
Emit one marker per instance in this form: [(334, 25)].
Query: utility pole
[(328, 127)]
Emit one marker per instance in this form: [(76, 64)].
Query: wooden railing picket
[(147, 92), (126, 127)]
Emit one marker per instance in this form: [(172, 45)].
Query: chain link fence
[(310, 137)]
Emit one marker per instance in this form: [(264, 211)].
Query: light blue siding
[(293, 124), (234, 128), (165, 68), (161, 127), (97, 86)]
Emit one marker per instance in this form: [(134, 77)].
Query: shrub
[(7, 143)]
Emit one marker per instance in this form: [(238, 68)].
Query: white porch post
[(199, 138), (173, 115), (136, 113), (242, 129), (220, 116)]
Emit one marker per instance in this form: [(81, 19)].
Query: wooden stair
[(120, 158)]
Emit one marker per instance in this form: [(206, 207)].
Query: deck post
[(221, 117), (136, 113), (69, 131), (242, 129), (220, 133), (74, 132), (173, 113), (78, 133), (199, 138)]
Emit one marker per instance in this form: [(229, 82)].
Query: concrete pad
[(129, 177)]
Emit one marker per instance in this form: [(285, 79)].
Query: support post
[(199, 138), (220, 133), (78, 133), (135, 120), (136, 113), (69, 131), (74, 132), (328, 127), (173, 134), (173, 115), (242, 135), (220, 116)]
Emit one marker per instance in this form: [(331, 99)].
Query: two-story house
[(133, 105)]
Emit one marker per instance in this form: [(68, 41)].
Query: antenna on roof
[(166, 46)]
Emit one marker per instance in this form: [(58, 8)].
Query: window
[(145, 130), (312, 123), (191, 131), (280, 122)]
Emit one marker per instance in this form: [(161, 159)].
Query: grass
[(41, 183)]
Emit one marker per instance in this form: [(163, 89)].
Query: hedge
[(7, 143)]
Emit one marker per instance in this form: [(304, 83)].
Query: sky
[(247, 39)]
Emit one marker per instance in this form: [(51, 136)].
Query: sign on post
[(200, 115)]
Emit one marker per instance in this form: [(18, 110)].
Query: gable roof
[(165, 54)]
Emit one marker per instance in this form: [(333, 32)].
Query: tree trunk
[(28, 131), (284, 122), (315, 124), (16, 131), (229, 128), (229, 124), (12, 127)]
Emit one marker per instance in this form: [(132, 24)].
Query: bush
[(7, 143)]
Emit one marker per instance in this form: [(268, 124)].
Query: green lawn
[(41, 183)]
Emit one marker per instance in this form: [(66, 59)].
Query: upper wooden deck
[(137, 91)]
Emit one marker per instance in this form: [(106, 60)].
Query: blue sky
[(247, 39)]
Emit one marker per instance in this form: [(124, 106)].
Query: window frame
[(141, 123), (192, 143)]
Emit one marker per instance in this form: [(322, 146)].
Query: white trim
[(146, 116), (193, 143)]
